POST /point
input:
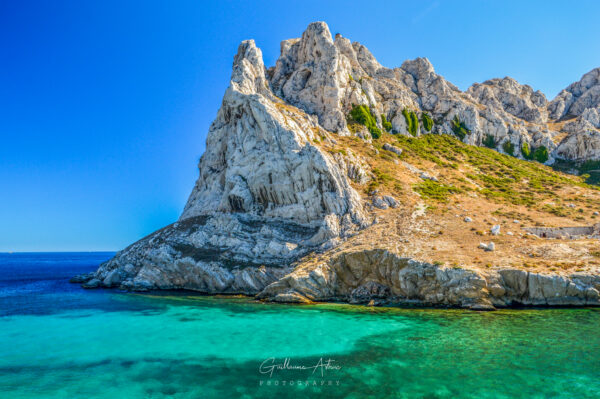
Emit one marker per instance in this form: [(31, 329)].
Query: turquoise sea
[(60, 341)]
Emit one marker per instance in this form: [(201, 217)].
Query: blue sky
[(105, 105)]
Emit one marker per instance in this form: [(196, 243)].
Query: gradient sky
[(105, 105)]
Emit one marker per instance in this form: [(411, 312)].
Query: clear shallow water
[(60, 341)]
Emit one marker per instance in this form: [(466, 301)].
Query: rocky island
[(329, 177)]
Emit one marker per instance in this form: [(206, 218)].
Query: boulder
[(93, 283), (394, 149), (379, 202), (391, 201), (113, 279), (487, 247)]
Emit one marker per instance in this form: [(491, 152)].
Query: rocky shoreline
[(379, 277)]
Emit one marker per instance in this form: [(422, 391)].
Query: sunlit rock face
[(266, 195), (516, 99), (578, 97), (580, 105)]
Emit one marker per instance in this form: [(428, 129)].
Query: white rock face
[(265, 196), (326, 77), (580, 101), (259, 159), (575, 99), (310, 73), (580, 147), (514, 98)]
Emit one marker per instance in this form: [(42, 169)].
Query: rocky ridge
[(271, 191)]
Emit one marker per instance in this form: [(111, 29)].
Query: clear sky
[(105, 105)]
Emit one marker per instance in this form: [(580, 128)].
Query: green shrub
[(415, 123), (526, 151), (427, 121), (412, 121), (375, 132), (459, 128), (541, 154), (589, 166), (362, 114), (509, 148), (589, 170), (385, 123), (489, 141), (407, 119)]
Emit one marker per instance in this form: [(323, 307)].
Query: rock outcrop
[(387, 278), (580, 147), (269, 192), (580, 104), (514, 98), (578, 97)]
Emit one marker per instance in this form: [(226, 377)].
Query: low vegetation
[(412, 121), (427, 121), (509, 148), (589, 170), (489, 141), (435, 190), (381, 178), (525, 151), (459, 128), (590, 166), (387, 125), (540, 154), (494, 175), (362, 114)]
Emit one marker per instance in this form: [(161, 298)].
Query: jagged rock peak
[(309, 74), (248, 72), (259, 158), (577, 97), (419, 67), (511, 96)]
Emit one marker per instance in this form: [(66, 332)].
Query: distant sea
[(58, 340)]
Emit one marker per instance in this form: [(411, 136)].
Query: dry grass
[(489, 187)]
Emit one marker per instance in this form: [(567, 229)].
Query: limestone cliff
[(290, 173), (266, 195)]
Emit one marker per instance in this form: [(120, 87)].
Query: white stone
[(487, 247)]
